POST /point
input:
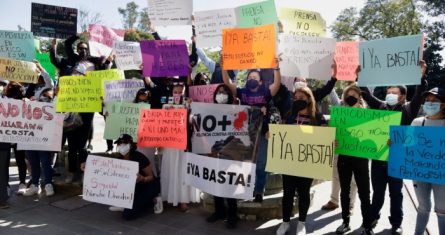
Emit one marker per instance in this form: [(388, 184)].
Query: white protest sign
[(209, 26), (219, 177), (308, 57), (128, 55), (56, 145), (110, 181), (122, 90), (170, 12)]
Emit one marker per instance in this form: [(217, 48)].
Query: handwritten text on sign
[(202, 93), (170, 12), (104, 75), (17, 45), (128, 55), (123, 118), (110, 181), (209, 26), (79, 94), (53, 21), (363, 132), (122, 90), (257, 14), (302, 23), (163, 128), (392, 61), (19, 71), (346, 56), (165, 58), (298, 150), (45, 61), (102, 38), (249, 48), (417, 153), (219, 177)]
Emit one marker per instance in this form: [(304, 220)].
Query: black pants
[(220, 208), (77, 140), (303, 187), (5, 155), (144, 195), (20, 157), (359, 167)]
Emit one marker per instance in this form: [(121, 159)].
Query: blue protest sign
[(18, 45)]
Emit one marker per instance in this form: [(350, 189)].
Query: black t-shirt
[(136, 156)]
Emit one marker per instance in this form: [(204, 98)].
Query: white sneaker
[(301, 228), (115, 208), (69, 178), (22, 189), (283, 229), (31, 191), (49, 190), (159, 207)]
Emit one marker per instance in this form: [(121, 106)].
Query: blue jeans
[(36, 158), (423, 194), (261, 175), (380, 178)]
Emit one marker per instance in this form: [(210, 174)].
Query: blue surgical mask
[(392, 99), (431, 108)]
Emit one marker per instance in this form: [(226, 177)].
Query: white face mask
[(299, 84), (392, 99), (123, 149), (431, 108), (222, 98)]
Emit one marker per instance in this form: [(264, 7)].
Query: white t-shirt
[(428, 122)]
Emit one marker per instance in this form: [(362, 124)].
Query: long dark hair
[(228, 91)]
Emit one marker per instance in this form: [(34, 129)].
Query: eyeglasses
[(82, 48)]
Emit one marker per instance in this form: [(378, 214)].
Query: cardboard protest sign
[(249, 48), (302, 23), (122, 90), (170, 12), (202, 93), (45, 61), (308, 57), (53, 21), (163, 58), (123, 118), (391, 61), (257, 14), (417, 153), (163, 128), (346, 57), (110, 181), (220, 177), (299, 151), (210, 24), (19, 71), (79, 94), (102, 38), (128, 55), (17, 45), (27, 122), (105, 75), (363, 132)]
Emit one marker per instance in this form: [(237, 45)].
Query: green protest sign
[(45, 61), (257, 14), (123, 118), (363, 132)]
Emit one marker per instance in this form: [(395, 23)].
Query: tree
[(86, 17), (144, 20), (129, 15)]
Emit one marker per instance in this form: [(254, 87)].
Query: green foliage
[(129, 15), (144, 20)]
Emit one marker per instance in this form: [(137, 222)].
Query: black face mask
[(299, 105), (83, 53), (351, 100)]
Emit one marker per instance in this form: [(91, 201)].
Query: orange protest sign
[(249, 48), (346, 56), (163, 128)]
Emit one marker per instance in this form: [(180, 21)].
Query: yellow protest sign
[(302, 23), (79, 94), (299, 151), (105, 75), (19, 71)]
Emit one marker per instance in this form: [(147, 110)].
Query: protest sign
[(79, 94), (363, 132), (45, 61), (257, 14), (17, 45), (302, 23), (27, 122), (122, 90), (209, 26), (346, 57), (105, 75), (128, 55), (299, 151), (288, 82), (163, 128), (202, 93), (123, 118), (102, 38), (164, 58), (308, 57), (220, 177), (53, 21), (417, 153), (391, 61), (249, 48), (37, 45), (170, 12), (19, 71), (110, 181)]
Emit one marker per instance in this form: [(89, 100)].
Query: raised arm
[(227, 80), (209, 63), (416, 102), (275, 86), (324, 91), (69, 49), (55, 60)]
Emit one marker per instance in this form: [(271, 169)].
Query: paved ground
[(67, 213)]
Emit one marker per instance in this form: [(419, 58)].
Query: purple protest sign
[(164, 58)]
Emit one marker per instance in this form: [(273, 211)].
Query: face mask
[(222, 98), (252, 84), (351, 100), (123, 149), (299, 105), (392, 99), (431, 108), (299, 84), (45, 99)]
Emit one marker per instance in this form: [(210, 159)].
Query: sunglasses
[(178, 84)]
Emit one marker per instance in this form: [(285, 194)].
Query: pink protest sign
[(162, 58), (202, 93), (346, 56), (101, 39)]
